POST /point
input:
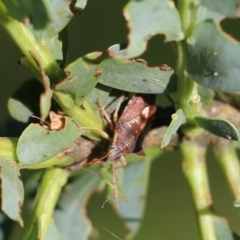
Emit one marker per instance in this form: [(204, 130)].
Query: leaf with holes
[(212, 58), (226, 8), (145, 19), (58, 46), (81, 79), (12, 192), (135, 76), (60, 15), (36, 144), (218, 127), (203, 13), (35, 10)]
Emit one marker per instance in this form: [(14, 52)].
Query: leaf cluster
[(200, 88)]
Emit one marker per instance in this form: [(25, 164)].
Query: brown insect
[(126, 133)]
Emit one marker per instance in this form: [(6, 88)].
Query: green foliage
[(178, 119), (206, 61), (34, 141), (209, 53), (12, 190), (135, 76), (81, 78), (219, 127), (146, 19)]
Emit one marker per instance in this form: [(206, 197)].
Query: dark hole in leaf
[(231, 27)]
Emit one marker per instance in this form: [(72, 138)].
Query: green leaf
[(218, 127), (55, 47), (223, 231), (100, 93), (53, 233), (147, 18), (18, 110), (33, 9), (135, 76), (80, 5), (206, 95), (204, 13), (60, 14), (135, 187), (226, 8), (178, 119), (70, 216), (36, 144), (58, 46), (81, 78), (211, 58), (25, 101), (12, 192)]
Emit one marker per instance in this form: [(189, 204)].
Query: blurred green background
[(169, 210)]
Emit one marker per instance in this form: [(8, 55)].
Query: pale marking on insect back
[(145, 112), (133, 121)]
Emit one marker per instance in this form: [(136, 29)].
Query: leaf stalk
[(194, 167), (47, 196), (228, 159)]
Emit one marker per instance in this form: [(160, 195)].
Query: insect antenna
[(32, 116)]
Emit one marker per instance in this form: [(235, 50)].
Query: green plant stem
[(227, 157), (187, 96), (185, 85), (85, 115), (25, 40), (48, 193), (188, 16), (194, 167), (31, 47)]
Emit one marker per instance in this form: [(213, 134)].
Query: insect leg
[(114, 180), (104, 113), (120, 100), (101, 132), (122, 161)]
